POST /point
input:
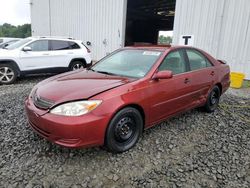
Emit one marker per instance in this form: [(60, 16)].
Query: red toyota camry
[(130, 90)]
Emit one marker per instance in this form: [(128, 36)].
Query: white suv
[(35, 55)]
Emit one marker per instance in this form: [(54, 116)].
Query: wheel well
[(220, 87), (78, 59), (137, 107), (13, 63)]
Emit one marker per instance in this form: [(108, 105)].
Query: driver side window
[(41, 45), (174, 62)]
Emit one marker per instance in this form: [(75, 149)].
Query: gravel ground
[(195, 149)]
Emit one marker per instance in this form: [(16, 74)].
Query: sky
[(15, 12), (166, 33)]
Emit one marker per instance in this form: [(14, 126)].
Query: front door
[(171, 95), (38, 57)]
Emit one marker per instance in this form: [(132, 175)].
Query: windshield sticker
[(152, 53)]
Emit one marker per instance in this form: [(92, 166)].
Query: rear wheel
[(75, 65), (8, 74), (124, 130), (213, 99)]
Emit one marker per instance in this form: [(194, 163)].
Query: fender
[(12, 62)]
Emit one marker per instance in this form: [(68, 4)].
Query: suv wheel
[(75, 65), (8, 74)]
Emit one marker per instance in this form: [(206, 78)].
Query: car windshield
[(128, 63), (18, 44)]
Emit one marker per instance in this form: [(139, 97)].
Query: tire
[(124, 130), (8, 74), (213, 99), (75, 65)]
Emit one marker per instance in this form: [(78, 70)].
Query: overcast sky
[(15, 12), (166, 33)]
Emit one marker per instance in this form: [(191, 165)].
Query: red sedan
[(130, 90)]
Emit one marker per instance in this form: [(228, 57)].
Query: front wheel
[(124, 130), (8, 74), (213, 99)]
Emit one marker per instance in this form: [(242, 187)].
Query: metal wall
[(100, 22), (221, 27), (40, 17)]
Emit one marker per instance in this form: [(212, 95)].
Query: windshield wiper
[(104, 72), (90, 69)]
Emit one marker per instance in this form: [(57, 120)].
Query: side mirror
[(163, 75), (27, 49)]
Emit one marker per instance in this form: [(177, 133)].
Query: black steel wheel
[(213, 99), (124, 130)]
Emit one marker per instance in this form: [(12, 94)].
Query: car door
[(38, 57), (203, 74), (169, 96), (61, 53)]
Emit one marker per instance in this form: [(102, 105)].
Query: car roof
[(54, 38), (157, 47), (150, 47)]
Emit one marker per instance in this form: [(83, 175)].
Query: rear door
[(203, 74), (170, 96), (61, 53)]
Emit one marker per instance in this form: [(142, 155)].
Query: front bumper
[(74, 132)]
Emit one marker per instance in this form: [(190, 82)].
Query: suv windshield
[(129, 63), (18, 44)]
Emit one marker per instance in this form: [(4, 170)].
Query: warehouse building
[(220, 27)]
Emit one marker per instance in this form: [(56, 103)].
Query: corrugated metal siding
[(220, 27), (87, 20), (40, 17)]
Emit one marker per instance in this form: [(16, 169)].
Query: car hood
[(77, 85), (7, 53)]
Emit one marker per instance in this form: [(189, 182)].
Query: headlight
[(76, 108)]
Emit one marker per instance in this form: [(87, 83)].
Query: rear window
[(73, 45), (197, 60), (59, 45)]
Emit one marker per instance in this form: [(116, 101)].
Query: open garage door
[(146, 18)]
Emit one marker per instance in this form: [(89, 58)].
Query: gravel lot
[(195, 149)]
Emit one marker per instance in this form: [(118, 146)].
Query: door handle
[(212, 73), (45, 54), (70, 53), (186, 81)]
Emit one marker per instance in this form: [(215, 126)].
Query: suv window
[(40, 45), (197, 60), (174, 62), (73, 45), (59, 45)]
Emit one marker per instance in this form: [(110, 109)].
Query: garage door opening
[(165, 37), (146, 19)]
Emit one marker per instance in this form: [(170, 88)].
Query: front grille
[(42, 103)]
